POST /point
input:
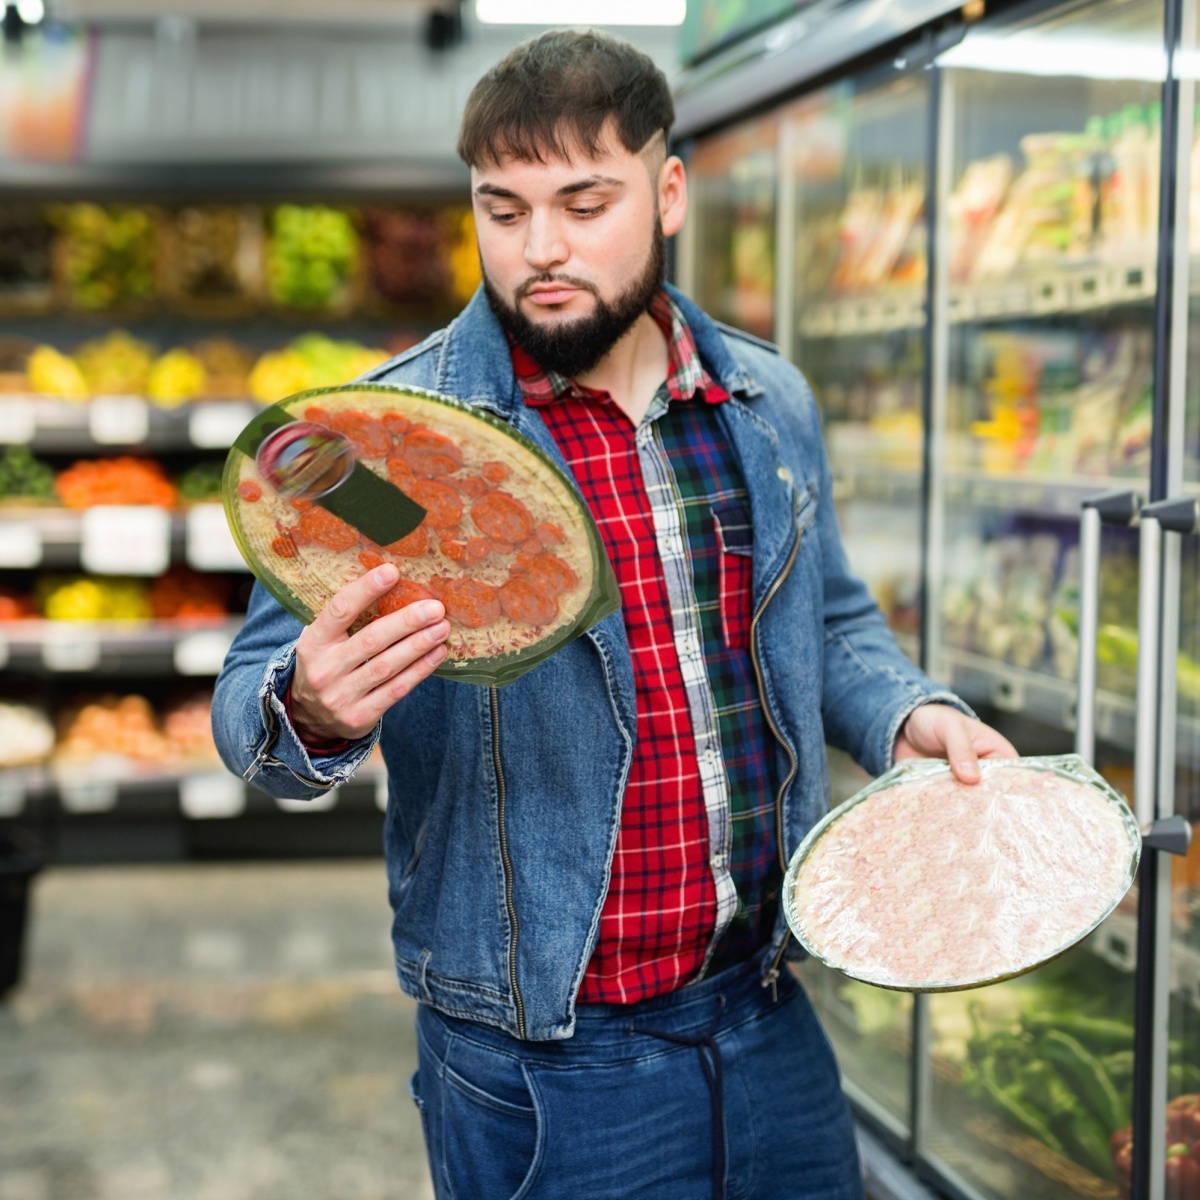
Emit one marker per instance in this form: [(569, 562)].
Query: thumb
[(960, 750)]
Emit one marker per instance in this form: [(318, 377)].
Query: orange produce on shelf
[(124, 480), (15, 607), (120, 725), (181, 594)]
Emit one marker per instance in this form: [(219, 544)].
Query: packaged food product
[(923, 883), (328, 484)]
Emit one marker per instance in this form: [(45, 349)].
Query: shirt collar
[(686, 375)]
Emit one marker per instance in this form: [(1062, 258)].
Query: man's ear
[(672, 195)]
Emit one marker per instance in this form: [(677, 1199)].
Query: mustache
[(568, 280)]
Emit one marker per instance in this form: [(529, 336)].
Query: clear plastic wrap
[(922, 883), (327, 484)]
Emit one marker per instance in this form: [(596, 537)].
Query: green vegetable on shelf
[(24, 477), (201, 482), (312, 256), (1090, 1080), (1100, 1034)]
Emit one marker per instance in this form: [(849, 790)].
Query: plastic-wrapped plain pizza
[(923, 883), (327, 484)]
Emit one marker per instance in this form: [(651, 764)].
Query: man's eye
[(585, 213), (502, 218)]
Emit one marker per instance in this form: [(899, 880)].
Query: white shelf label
[(213, 795), (215, 426), (203, 652), (125, 540), (20, 544), (67, 647), (81, 794), (321, 803), (118, 420), (18, 420), (210, 545), (12, 795)]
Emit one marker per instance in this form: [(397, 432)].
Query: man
[(585, 866)]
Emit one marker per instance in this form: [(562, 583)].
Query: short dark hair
[(553, 94)]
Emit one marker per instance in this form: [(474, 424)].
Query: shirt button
[(785, 474)]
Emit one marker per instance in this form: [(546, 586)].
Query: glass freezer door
[(1043, 350), (852, 241)]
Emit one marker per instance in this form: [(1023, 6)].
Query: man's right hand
[(343, 683)]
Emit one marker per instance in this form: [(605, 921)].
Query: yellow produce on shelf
[(89, 599), (115, 365), (175, 378), (53, 374), (277, 374), (465, 274)]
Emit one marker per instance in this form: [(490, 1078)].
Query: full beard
[(573, 348)]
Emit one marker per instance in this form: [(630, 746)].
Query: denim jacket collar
[(475, 364)]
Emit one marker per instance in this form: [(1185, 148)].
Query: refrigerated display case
[(984, 238)]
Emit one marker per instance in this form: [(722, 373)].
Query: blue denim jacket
[(504, 803)]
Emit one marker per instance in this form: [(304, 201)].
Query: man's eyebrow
[(570, 189)]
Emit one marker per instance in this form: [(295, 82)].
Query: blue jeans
[(717, 1090)]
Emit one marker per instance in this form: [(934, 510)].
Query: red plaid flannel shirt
[(659, 914)]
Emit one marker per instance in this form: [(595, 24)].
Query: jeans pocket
[(490, 1127)]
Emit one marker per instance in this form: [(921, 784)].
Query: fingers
[(349, 603), (384, 632), (377, 670)]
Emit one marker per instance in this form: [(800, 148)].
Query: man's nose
[(545, 245)]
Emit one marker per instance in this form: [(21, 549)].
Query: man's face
[(573, 250)]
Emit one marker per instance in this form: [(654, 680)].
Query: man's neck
[(634, 369)]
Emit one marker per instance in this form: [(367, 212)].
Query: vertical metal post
[(1089, 627)]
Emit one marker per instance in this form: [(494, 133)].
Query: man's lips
[(557, 294)]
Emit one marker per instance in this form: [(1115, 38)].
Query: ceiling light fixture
[(580, 12)]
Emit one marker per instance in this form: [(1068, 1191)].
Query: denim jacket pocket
[(735, 545)]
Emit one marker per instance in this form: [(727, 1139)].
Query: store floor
[(209, 1033)]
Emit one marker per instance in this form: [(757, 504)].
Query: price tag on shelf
[(321, 803), (68, 647), (12, 794), (20, 544), (79, 793), (18, 420), (214, 426), (202, 652), (214, 794), (209, 544), (120, 539), (118, 420)]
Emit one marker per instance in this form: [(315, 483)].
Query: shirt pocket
[(735, 547)]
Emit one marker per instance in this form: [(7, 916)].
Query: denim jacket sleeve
[(253, 733), (870, 687)]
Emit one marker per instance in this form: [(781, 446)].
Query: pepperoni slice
[(317, 414), (454, 551), (413, 545), (367, 435), (472, 486), (430, 453), (549, 535), (471, 603), (551, 574), (522, 601), (324, 529), (476, 550), (530, 546), (249, 491), (370, 559), (400, 473), (502, 517), (443, 505), (284, 546), (401, 596), (494, 472), (395, 424)]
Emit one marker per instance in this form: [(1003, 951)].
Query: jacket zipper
[(501, 797), (771, 978)]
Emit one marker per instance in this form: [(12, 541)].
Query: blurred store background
[(970, 224)]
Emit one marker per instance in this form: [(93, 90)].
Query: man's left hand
[(939, 731)]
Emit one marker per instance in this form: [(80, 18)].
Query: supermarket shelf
[(114, 648), (119, 788), (1054, 496), (117, 540), (1081, 287), (1116, 942), (110, 423)]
